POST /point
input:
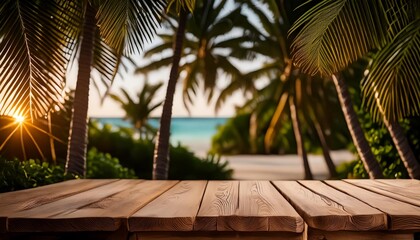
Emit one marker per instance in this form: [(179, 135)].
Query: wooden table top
[(246, 206)]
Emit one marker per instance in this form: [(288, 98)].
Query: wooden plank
[(262, 208), (51, 216), (325, 208), (220, 200), (40, 195), (175, 210), (315, 234), (406, 190), (199, 235), (132, 199), (13, 202), (403, 216)]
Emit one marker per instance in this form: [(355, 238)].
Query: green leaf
[(35, 42), (127, 24), (392, 85), (334, 33)]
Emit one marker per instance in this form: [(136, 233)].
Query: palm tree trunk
[(318, 129), (52, 147), (76, 151), (356, 132), (403, 148), (298, 136), (253, 132), (161, 156), (325, 149)]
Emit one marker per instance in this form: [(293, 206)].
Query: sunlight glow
[(19, 119)]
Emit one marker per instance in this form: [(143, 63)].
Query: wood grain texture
[(325, 208), (175, 210), (406, 190), (262, 208), (220, 200), (56, 216), (44, 194), (403, 216), (123, 204), (17, 201), (199, 235)]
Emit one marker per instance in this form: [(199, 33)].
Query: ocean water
[(195, 133)]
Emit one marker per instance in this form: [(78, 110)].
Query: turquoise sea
[(195, 133)]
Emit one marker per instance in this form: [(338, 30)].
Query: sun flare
[(19, 119)]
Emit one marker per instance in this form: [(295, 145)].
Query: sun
[(19, 119)]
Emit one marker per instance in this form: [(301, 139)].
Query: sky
[(133, 83)]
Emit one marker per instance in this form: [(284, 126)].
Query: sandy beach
[(271, 167), (281, 167)]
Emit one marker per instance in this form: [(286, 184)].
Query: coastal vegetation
[(326, 75)]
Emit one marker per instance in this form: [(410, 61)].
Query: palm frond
[(399, 13), (336, 32), (106, 63), (392, 86), (35, 42), (164, 62), (127, 25), (182, 5), (158, 50), (190, 82)]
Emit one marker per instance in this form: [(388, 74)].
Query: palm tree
[(34, 51), (334, 33), (38, 54), (273, 44), (161, 156), (138, 111), (206, 56), (123, 26)]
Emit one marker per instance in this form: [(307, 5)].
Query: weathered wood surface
[(175, 210), (402, 215), (404, 190), (323, 207), (14, 202), (246, 206), (99, 209), (365, 209), (220, 200)]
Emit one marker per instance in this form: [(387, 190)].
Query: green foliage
[(346, 169), (378, 136), (16, 175), (184, 165), (137, 154), (325, 43), (103, 165), (233, 136), (383, 148), (138, 110), (181, 5)]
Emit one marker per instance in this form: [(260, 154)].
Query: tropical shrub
[(137, 154), (233, 137), (103, 165), (185, 165), (383, 148), (377, 135), (16, 175)]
